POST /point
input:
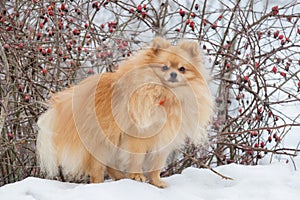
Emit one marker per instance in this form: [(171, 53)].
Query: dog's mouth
[(173, 80), (172, 83)]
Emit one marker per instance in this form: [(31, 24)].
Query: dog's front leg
[(154, 165), (135, 167)]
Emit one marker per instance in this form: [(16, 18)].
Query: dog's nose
[(173, 75)]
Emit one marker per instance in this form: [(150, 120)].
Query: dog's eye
[(182, 69), (165, 68)]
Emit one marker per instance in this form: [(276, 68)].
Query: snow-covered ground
[(278, 180)]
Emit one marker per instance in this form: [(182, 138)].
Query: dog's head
[(174, 65)]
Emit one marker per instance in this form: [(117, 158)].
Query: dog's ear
[(191, 47), (160, 43)]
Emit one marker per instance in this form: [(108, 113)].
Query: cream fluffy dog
[(126, 123)]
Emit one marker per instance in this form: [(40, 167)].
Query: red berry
[(275, 10), (27, 98), (250, 152), (282, 42), (299, 84), (145, 6), (270, 139), (298, 31), (283, 74), (10, 136), (196, 6), (193, 15), (51, 33), (254, 133), (262, 144), (274, 69), (139, 8), (181, 12), (220, 17), (259, 156), (214, 26), (240, 110), (192, 24), (86, 25), (144, 14), (246, 79), (131, 10), (44, 52), (44, 71), (112, 24), (50, 8), (95, 4), (280, 37), (77, 11), (51, 13), (41, 25), (21, 88), (111, 30), (45, 20), (39, 48), (275, 34), (204, 22), (49, 50), (63, 7), (229, 161), (76, 32), (6, 46), (60, 25), (177, 29), (256, 145)]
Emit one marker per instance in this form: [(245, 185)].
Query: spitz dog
[(126, 123)]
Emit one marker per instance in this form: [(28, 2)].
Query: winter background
[(275, 177)]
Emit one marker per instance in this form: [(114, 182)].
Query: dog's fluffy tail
[(45, 147)]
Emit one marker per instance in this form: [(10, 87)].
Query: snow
[(278, 180)]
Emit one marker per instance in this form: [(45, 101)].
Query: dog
[(127, 122)]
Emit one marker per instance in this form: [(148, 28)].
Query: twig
[(3, 113), (207, 167)]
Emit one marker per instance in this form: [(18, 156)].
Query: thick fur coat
[(126, 123)]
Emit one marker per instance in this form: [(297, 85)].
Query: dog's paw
[(159, 183), (137, 177)]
